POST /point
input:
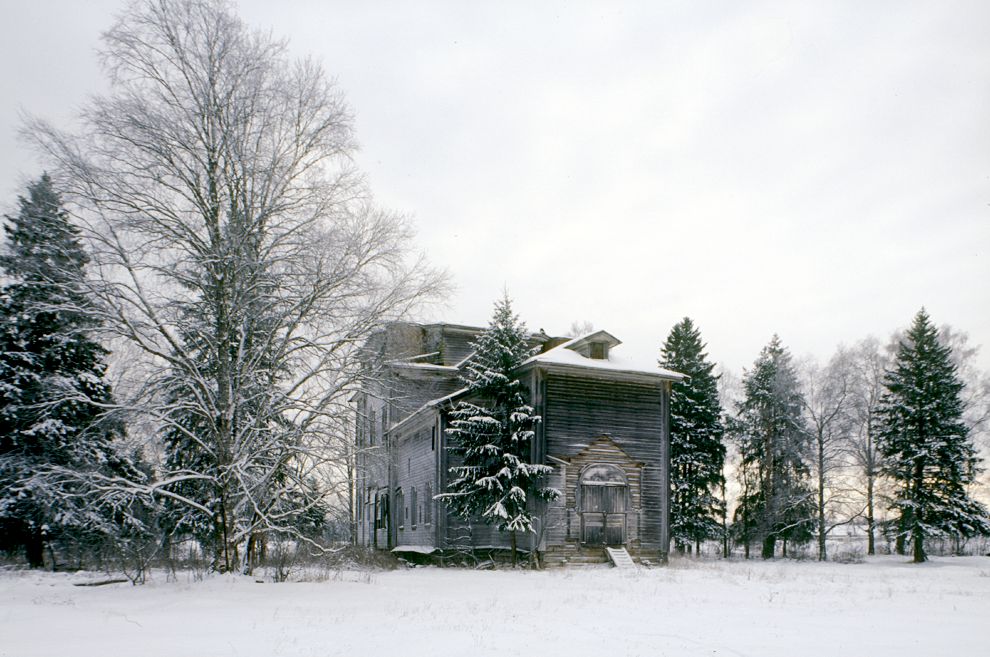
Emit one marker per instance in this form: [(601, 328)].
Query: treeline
[(880, 438), (184, 299), (207, 224)]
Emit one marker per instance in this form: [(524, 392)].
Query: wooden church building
[(604, 430)]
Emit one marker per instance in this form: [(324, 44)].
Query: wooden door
[(603, 514)]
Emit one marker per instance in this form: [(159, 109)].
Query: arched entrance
[(603, 494)]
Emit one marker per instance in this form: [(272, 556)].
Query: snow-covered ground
[(882, 607)]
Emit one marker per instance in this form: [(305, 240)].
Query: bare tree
[(869, 363), (579, 328), (828, 404), (237, 249)]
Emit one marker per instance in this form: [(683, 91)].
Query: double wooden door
[(603, 514)]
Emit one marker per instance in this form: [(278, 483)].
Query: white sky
[(818, 170)]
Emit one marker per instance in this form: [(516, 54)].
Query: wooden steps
[(619, 557), (570, 555)]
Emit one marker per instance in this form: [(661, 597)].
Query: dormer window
[(594, 346)]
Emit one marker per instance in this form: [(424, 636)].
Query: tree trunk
[(870, 483), (514, 556), (870, 520), (352, 495), (821, 498), (917, 535), (919, 546), (725, 523), (769, 546), (34, 549)]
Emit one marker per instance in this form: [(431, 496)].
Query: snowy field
[(882, 607)]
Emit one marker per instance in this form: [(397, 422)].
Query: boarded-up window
[(413, 508), (428, 505), (400, 508)]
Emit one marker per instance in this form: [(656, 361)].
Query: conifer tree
[(491, 432), (53, 395), (697, 453), (924, 442), (777, 502)]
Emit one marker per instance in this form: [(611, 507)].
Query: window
[(371, 426), (598, 351), (433, 438), (381, 510), (413, 508), (428, 505), (400, 508)]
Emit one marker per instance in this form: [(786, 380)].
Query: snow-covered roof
[(418, 549), (565, 356), (424, 367)]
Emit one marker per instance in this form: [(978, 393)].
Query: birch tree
[(828, 408), (869, 364), (237, 248)]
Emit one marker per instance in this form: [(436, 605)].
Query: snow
[(884, 607), (418, 549), (618, 362)]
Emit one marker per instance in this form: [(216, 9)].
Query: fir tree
[(492, 433), (924, 442), (776, 503), (53, 395), (697, 453)]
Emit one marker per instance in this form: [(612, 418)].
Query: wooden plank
[(620, 558)]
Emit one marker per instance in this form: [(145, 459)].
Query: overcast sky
[(818, 171)]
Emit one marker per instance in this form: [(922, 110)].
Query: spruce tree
[(697, 453), (491, 432), (777, 503), (924, 442), (53, 396)]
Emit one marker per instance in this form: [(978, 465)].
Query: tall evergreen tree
[(777, 502), (697, 453), (925, 443), (491, 432), (53, 395)]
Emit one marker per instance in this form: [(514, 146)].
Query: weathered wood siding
[(578, 413), (456, 346), (601, 450), (414, 467), (410, 389)]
